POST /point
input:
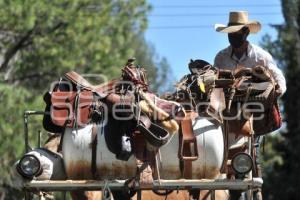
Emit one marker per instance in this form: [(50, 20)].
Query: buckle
[(189, 150)]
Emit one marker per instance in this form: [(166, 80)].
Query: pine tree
[(282, 180)]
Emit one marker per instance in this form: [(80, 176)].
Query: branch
[(25, 41), (48, 30), (10, 53)]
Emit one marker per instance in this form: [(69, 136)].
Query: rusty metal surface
[(116, 171), (79, 169), (210, 148), (78, 161), (77, 155)]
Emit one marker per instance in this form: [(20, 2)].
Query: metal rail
[(180, 184), (28, 113)]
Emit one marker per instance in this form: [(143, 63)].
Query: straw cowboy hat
[(238, 20)]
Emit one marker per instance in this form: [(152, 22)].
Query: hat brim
[(253, 26)]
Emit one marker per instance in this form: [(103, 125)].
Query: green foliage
[(282, 177), (50, 38), (13, 101), (160, 77), (271, 161), (41, 40)]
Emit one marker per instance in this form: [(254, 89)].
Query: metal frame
[(28, 113), (181, 184)]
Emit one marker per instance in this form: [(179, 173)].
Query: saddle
[(197, 91), (74, 102), (198, 94), (253, 86)]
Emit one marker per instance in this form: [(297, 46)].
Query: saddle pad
[(70, 108)]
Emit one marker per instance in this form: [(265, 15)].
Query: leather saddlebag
[(263, 123), (47, 121), (71, 108), (270, 122)]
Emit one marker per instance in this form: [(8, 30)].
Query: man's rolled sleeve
[(277, 74), (218, 61)]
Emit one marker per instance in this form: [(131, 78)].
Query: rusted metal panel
[(210, 145), (77, 155)]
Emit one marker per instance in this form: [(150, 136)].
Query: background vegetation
[(282, 153), (39, 41)]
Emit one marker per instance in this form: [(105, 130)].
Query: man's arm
[(218, 61), (277, 74)]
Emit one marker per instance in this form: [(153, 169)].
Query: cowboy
[(241, 53)]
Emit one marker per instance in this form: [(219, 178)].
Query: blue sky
[(181, 30)]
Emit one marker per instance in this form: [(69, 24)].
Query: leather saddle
[(74, 102), (197, 91), (254, 85)]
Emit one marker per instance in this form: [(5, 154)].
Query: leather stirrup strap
[(188, 145), (94, 141), (188, 151), (187, 169), (143, 159)]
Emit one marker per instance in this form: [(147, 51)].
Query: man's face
[(237, 39)]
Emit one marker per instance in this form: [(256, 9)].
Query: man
[(240, 53)]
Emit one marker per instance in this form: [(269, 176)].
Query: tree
[(43, 40), (40, 40), (13, 101), (160, 77), (282, 182)]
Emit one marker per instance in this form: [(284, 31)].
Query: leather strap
[(187, 169), (188, 151), (94, 140), (78, 80), (188, 143), (101, 90), (143, 159)]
